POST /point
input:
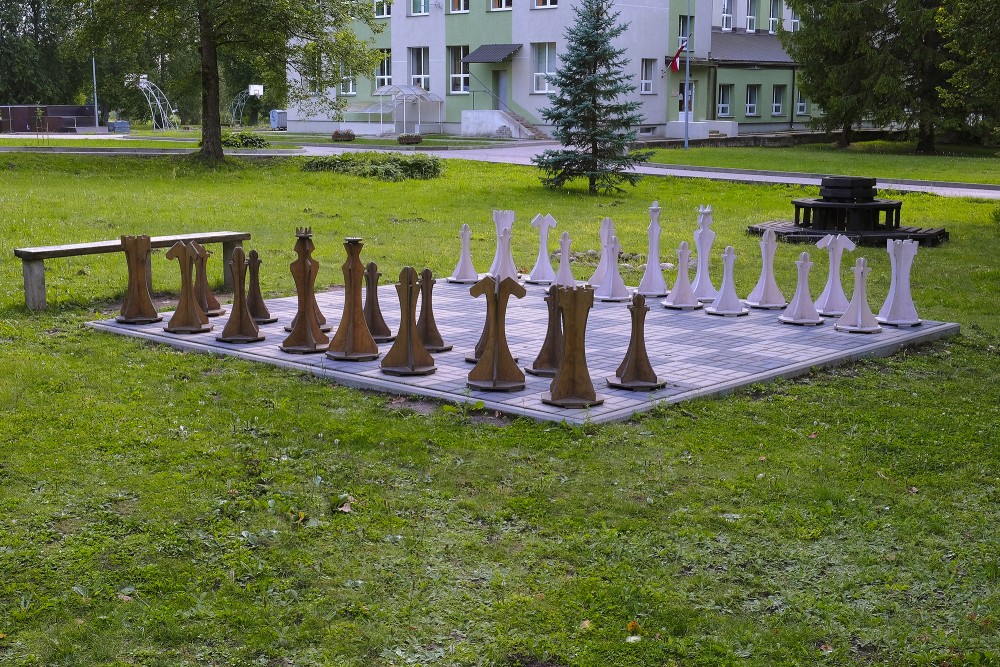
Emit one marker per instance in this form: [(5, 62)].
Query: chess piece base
[(654, 295), (853, 329), (831, 313), (189, 330), (471, 358), (239, 339), (325, 328), (685, 307), (784, 320), (405, 370), (910, 323), (143, 320), (439, 348), (712, 311), (460, 281), (538, 282), (614, 299), (384, 339), (572, 402), (304, 349), (355, 356), (215, 312), (266, 320), (541, 372), (487, 385), (636, 385), (766, 306)]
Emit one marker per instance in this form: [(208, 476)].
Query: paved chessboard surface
[(696, 353)]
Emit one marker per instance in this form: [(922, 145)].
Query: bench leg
[(227, 256), (34, 283), (149, 272)]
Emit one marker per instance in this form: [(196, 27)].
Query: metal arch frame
[(239, 104), (159, 106)]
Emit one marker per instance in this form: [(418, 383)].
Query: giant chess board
[(696, 353)]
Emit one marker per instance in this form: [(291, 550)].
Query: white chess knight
[(682, 296), (607, 231), (565, 275), (503, 220), (542, 274), (464, 271), (612, 287), (833, 302), (859, 318), (801, 310), (704, 237), (506, 268), (767, 294), (652, 283), (898, 309), (728, 302)]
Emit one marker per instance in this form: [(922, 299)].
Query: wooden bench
[(33, 259)]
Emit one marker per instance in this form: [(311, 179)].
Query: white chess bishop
[(607, 231), (612, 287), (728, 302), (542, 273), (652, 283), (767, 294), (704, 237), (682, 297), (503, 220), (859, 318), (801, 310), (565, 276), (832, 302), (464, 271)]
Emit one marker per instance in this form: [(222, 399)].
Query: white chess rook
[(682, 296), (542, 273), (464, 272), (728, 302), (859, 318), (801, 310), (652, 283), (898, 309), (704, 237), (503, 220), (767, 294), (607, 231), (833, 302), (565, 275), (612, 287)]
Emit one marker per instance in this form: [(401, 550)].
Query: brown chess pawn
[(189, 317), (572, 387), (206, 300), (379, 330), (497, 370), (408, 356), (635, 372), (306, 336), (241, 327), (255, 301), (547, 362), (138, 305), (426, 326), (353, 341)]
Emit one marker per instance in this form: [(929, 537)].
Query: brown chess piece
[(426, 326), (189, 317), (373, 313), (306, 336), (572, 386), (206, 300), (255, 301), (547, 362), (241, 327), (497, 370), (477, 352), (408, 356), (635, 372), (138, 305), (353, 341)]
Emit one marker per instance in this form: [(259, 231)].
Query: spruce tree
[(590, 120)]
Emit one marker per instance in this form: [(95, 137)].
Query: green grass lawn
[(162, 508), (56, 141), (885, 159)]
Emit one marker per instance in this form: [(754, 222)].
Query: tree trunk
[(211, 118), (844, 138), (925, 138)]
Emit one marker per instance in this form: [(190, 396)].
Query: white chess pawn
[(833, 302), (682, 296), (767, 294), (464, 271), (652, 283), (565, 275), (542, 274), (728, 302), (704, 237), (898, 309), (506, 268), (503, 220), (859, 318), (612, 287), (801, 310), (607, 231)]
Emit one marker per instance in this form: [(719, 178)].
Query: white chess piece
[(704, 237), (767, 294), (682, 296), (833, 302), (464, 272), (898, 309), (506, 268), (607, 231), (728, 302), (565, 275), (542, 274), (612, 287), (801, 310), (652, 283), (503, 220), (859, 318)]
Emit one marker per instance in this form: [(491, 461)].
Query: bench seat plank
[(99, 247)]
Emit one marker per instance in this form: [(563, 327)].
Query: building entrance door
[(500, 90), (685, 102)]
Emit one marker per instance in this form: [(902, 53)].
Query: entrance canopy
[(491, 53)]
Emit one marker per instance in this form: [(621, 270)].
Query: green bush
[(244, 140), (408, 139), (378, 165)]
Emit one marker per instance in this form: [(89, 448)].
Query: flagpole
[(687, 75)]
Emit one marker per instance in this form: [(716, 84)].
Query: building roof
[(740, 47), (491, 53)]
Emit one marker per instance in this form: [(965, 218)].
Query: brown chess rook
[(189, 317), (379, 330), (306, 336), (241, 327), (353, 341), (206, 300), (497, 370), (138, 305), (426, 326), (635, 371), (408, 356), (547, 362), (255, 301), (572, 386)]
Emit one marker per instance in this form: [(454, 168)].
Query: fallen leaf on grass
[(584, 624), (3, 636), (633, 627), (632, 639), (913, 490), (825, 648), (813, 435), (124, 598), (880, 474)]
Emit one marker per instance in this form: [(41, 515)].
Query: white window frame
[(796, 21), (774, 20), (753, 92), (383, 73), (727, 15), (539, 80), (751, 15), (420, 76), (647, 67), (420, 7), (725, 108), (383, 9), (778, 101), (458, 83), (685, 29), (501, 5), (545, 4), (801, 105), (348, 85), (463, 6)]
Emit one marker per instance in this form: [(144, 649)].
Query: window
[(725, 99), (751, 15), (545, 65), (420, 7), (459, 6), (685, 28), (727, 14), (646, 76), (312, 70), (420, 68), (383, 73), (778, 101), (383, 9), (647, 130), (501, 5), (775, 17), (801, 107), (796, 21), (459, 70), (685, 99), (545, 4), (753, 92), (348, 84)]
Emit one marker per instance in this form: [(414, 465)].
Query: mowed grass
[(885, 159), (55, 141), (162, 508)]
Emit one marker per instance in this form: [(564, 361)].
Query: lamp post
[(93, 70), (687, 76)]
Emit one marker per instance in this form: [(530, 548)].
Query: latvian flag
[(675, 64)]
